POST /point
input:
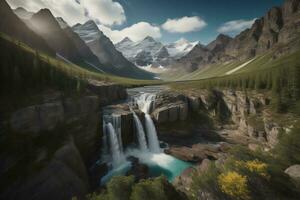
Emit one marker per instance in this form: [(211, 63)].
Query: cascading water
[(149, 151), (145, 103), (140, 133), (116, 122), (116, 152), (152, 135)]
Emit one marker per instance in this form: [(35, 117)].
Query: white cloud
[(135, 32), (184, 24), (69, 10), (235, 26), (106, 12)]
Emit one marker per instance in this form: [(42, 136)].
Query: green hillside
[(261, 62), (20, 62)]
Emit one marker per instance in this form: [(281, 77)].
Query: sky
[(164, 20)]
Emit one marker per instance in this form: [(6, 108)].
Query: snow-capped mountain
[(106, 52), (151, 52), (145, 52), (180, 48)]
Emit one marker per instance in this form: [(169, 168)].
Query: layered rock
[(170, 107)]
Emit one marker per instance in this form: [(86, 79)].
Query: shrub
[(234, 185), (119, 188)]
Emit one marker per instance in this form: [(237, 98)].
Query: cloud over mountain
[(235, 26), (184, 24), (135, 32), (107, 12)]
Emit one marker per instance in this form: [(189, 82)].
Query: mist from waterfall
[(140, 133)]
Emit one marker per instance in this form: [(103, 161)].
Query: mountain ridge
[(280, 25)]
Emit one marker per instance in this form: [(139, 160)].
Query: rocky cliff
[(279, 27), (49, 147), (236, 112)]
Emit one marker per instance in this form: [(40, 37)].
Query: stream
[(148, 149)]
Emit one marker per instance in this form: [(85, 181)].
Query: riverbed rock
[(197, 152)]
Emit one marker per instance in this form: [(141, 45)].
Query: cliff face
[(247, 113), (57, 142)]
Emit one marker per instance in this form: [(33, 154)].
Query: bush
[(119, 188), (124, 188), (234, 185)]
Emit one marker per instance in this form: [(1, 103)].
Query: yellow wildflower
[(234, 185)]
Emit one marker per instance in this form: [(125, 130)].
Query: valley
[(87, 117)]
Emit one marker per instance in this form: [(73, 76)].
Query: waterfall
[(140, 133), (105, 150), (116, 152), (116, 122), (152, 135), (145, 103)]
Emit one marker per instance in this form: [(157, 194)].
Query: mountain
[(11, 25), (46, 25), (145, 52), (180, 48), (151, 52), (23, 13), (280, 26), (199, 55), (85, 52), (106, 52)]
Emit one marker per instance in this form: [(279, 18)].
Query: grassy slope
[(76, 71), (261, 62)]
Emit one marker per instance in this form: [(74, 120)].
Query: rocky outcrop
[(107, 92), (170, 107)]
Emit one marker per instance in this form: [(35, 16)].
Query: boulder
[(294, 172)]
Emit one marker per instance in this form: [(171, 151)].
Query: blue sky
[(213, 12), (165, 20)]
